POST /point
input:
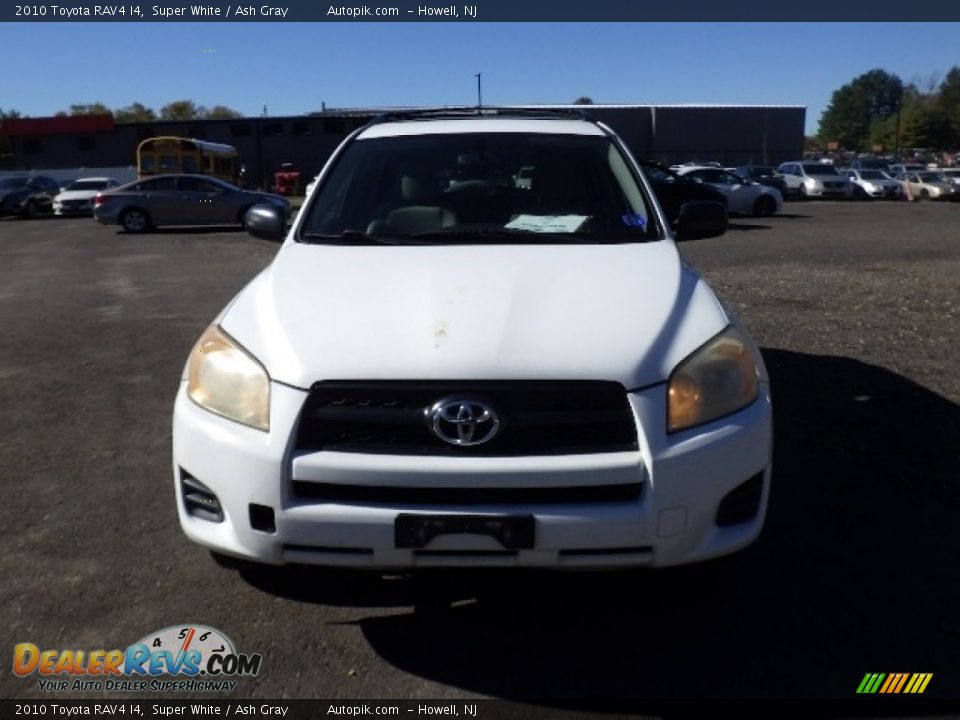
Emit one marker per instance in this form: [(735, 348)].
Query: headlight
[(225, 379), (717, 379)]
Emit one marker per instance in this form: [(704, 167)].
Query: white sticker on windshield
[(547, 223)]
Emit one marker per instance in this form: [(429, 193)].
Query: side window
[(160, 184)]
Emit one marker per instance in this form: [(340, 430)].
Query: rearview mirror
[(265, 222), (701, 219)]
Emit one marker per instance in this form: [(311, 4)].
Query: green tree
[(182, 110), (96, 108), (135, 112), (583, 100), (11, 114), (856, 106), (948, 102), (221, 112)]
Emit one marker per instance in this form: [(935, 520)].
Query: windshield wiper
[(354, 237)]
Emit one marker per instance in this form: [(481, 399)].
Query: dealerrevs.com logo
[(180, 658)]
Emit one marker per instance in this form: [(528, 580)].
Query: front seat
[(418, 215)]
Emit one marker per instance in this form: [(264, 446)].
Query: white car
[(873, 184), (440, 368), (77, 197), (814, 179), (928, 185), (743, 196)]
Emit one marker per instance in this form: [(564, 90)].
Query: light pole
[(896, 152), (479, 95)]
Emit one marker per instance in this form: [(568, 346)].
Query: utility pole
[(896, 154), (479, 95)]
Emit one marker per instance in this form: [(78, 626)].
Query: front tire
[(764, 205), (135, 220), (30, 210)]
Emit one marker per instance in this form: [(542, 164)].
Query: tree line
[(866, 113), (138, 112)]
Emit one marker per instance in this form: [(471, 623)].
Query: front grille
[(536, 417), (393, 495)]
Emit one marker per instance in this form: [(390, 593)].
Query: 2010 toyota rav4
[(478, 345)]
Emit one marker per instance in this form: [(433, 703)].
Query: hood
[(77, 195), (627, 313)]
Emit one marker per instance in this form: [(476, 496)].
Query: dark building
[(731, 135)]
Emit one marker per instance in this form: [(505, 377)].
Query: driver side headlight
[(717, 379), (225, 379)]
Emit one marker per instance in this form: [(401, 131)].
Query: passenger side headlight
[(717, 379), (225, 379)]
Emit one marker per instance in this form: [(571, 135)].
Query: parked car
[(179, 200), (928, 185), (673, 191), (900, 168), (743, 196), (763, 174), (814, 179), (77, 197), (440, 368), (27, 195), (951, 175), (873, 184), (869, 163)]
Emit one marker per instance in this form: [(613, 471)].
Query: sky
[(293, 68)]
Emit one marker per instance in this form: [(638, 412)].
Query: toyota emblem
[(463, 422)]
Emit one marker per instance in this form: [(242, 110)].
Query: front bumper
[(690, 483), (73, 207)]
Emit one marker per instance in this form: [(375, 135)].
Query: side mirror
[(701, 219), (265, 222)]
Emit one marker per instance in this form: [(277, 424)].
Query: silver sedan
[(178, 200)]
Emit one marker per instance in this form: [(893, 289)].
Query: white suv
[(815, 179), (478, 346)]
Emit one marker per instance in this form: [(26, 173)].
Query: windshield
[(871, 175), (480, 187), (819, 169), (928, 177), (12, 183), (87, 185)]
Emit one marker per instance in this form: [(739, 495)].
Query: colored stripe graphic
[(894, 683)]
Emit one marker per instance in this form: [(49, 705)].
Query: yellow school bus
[(160, 155)]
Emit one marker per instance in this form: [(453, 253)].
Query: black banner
[(478, 11)]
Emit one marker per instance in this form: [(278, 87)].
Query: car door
[(791, 177), (740, 193), (159, 197), (201, 202)]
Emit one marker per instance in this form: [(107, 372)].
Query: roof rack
[(445, 113)]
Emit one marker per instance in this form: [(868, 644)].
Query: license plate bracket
[(513, 532)]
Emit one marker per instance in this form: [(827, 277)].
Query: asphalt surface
[(856, 308)]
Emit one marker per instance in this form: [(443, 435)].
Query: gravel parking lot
[(856, 307)]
